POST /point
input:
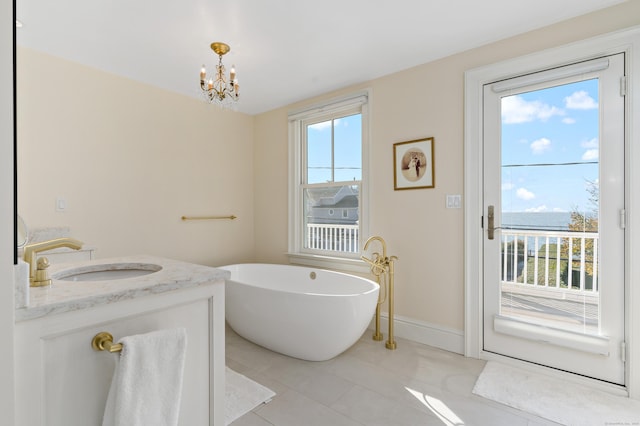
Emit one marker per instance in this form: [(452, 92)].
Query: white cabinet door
[(62, 381)]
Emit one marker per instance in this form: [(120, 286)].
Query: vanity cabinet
[(62, 381)]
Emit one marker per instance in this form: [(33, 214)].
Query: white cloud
[(540, 146), (580, 100), (525, 194), (538, 209), (507, 186), (592, 143), (568, 120), (324, 125), (590, 155), (517, 110), (321, 126)]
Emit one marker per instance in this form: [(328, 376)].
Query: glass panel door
[(554, 181)]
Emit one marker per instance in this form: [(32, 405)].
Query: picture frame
[(413, 164)]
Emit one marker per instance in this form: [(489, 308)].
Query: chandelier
[(218, 90)]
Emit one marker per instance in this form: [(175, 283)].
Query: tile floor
[(370, 385)]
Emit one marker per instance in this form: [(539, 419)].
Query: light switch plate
[(454, 201), (61, 204)]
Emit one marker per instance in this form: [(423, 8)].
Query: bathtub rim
[(375, 286)]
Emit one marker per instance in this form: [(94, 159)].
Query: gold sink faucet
[(38, 274)]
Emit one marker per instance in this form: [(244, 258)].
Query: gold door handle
[(491, 223)]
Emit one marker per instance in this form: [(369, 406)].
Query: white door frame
[(627, 41)]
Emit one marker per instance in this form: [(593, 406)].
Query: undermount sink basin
[(107, 272)]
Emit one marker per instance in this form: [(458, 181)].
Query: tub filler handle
[(103, 341)]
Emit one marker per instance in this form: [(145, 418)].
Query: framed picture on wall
[(413, 164)]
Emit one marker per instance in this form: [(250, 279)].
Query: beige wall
[(270, 184), (130, 160), (420, 102)]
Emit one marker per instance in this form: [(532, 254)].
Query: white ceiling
[(284, 50)]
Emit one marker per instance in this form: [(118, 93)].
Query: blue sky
[(347, 150), (550, 127)]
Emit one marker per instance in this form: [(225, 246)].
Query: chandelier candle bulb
[(232, 74), (203, 74)]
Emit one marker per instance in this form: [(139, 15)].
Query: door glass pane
[(550, 195)]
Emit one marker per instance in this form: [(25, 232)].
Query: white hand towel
[(147, 382)]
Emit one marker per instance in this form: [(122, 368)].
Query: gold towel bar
[(208, 217), (104, 342)]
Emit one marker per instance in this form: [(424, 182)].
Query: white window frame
[(297, 254)]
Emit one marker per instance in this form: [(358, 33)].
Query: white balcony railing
[(342, 238), (554, 260)]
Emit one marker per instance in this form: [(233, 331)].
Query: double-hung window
[(327, 188)]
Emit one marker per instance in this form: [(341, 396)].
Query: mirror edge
[(15, 146)]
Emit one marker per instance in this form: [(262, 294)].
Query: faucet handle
[(42, 274), (43, 263)]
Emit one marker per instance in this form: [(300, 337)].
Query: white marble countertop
[(64, 296)]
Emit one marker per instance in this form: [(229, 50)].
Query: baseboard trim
[(437, 336)]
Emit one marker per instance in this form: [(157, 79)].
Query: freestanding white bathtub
[(306, 313)]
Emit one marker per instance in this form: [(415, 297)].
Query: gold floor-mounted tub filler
[(383, 268)]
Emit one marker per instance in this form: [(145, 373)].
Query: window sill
[(328, 262)]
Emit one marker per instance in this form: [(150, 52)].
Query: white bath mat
[(243, 395), (555, 399)]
